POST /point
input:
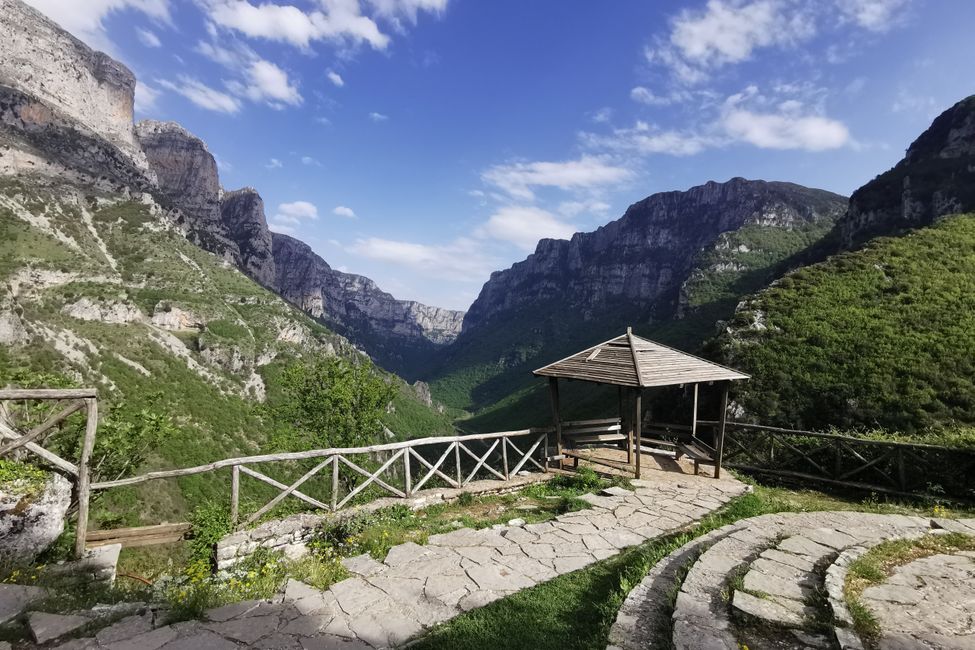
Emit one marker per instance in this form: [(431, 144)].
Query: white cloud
[(523, 226), (311, 162), (786, 130), (463, 259), (202, 95), (873, 15), (378, 117), (407, 8), (335, 78), (274, 163), (573, 208), (84, 19), (269, 83), (148, 38), (289, 215), (729, 31), (341, 20), (603, 115), (518, 179), (343, 211), (643, 95), (145, 97)]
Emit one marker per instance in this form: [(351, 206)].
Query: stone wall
[(292, 534), (90, 87)]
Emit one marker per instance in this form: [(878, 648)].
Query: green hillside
[(881, 337), (100, 290)]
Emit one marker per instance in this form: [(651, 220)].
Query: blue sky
[(426, 143)]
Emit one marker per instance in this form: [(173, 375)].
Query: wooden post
[(626, 424), (636, 431), (409, 481), (460, 477), (553, 386), (545, 455), (694, 416), (235, 495), (335, 483), (722, 421), (84, 475), (504, 457)]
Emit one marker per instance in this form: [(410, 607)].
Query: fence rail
[(894, 467)]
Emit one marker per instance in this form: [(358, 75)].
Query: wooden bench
[(582, 433)]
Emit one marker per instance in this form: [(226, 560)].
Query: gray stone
[(517, 522), (147, 641), (126, 628), (756, 581), (29, 521), (767, 610), (616, 491), (498, 578), (200, 641), (232, 610), (247, 629), (363, 565), (46, 627), (14, 599)]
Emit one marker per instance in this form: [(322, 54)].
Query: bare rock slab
[(46, 627)]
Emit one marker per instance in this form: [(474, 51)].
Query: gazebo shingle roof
[(630, 360)]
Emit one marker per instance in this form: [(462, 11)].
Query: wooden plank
[(637, 433), (84, 475), (605, 437), (695, 452), (625, 467), (435, 467), (281, 486), (581, 430), (481, 462), (134, 542), (553, 391), (139, 531), (408, 480), (235, 494), (586, 423), (42, 428), (48, 393), (34, 448), (527, 456), (722, 425)]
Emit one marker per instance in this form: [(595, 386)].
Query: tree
[(331, 402)]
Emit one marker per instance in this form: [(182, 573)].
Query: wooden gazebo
[(634, 364)]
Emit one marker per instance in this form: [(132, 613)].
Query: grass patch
[(877, 564), (21, 477)]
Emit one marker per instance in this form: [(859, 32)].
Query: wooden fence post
[(409, 480), (335, 483), (722, 424), (84, 475), (460, 477), (235, 495), (504, 457)]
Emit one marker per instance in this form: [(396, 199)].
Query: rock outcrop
[(187, 180), (90, 88), (242, 215), (31, 518), (935, 178), (643, 258), (397, 333)]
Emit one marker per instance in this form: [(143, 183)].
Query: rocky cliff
[(187, 180), (243, 219), (399, 334), (644, 257), (672, 266), (89, 87), (935, 178)]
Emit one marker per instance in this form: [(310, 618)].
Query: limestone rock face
[(644, 256), (187, 181), (397, 333), (242, 215), (30, 520), (89, 87), (935, 178)]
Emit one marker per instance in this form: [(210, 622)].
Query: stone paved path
[(775, 570), (416, 587), (928, 603)]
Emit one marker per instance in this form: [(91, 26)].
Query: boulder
[(31, 517)]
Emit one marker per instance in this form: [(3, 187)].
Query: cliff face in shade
[(646, 255), (242, 216), (89, 88), (399, 334), (935, 178)]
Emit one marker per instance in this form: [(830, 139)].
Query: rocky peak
[(187, 181), (935, 178), (242, 215), (646, 254)]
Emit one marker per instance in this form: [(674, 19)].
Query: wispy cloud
[(874, 15), (378, 117), (274, 163), (518, 178), (524, 226), (311, 162), (335, 78), (290, 215), (202, 95), (148, 38), (343, 211), (86, 19), (145, 97), (463, 259)]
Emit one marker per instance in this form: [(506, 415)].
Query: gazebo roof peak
[(631, 360)]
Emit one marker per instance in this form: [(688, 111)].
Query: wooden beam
[(553, 387), (638, 412), (34, 448), (84, 475), (694, 414), (722, 423), (294, 486), (281, 486), (235, 495), (48, 393), (42, 428)]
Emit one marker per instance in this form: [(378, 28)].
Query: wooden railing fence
[(899, 468)]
